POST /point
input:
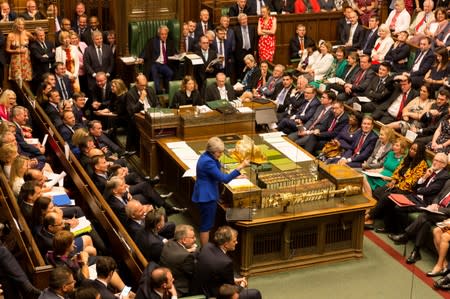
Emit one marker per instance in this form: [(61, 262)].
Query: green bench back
[(141, 31)]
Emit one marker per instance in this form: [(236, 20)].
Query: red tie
[(333, 124), (164, 52), (360, 144), (444, 203), (359, 78), (402, 105), (205, 28), (420, 23)]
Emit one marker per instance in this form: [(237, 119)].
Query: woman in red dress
[(267, 26)]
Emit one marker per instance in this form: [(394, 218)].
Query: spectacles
[(440, 161)]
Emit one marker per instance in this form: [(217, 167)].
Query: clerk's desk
[(186, 125), (307, 234)]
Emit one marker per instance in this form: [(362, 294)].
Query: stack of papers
[(186, 154), (286, 148), (84, 226), (240, 184)]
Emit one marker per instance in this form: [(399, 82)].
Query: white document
[(238, 86), (44, 140), (195, 59), (244, 109), (177, 144), (83, 223), (373, 174), (336, 80), (54, 178), (357, 107), (410, 135), (240, 183), (364, 99), (192, 172)]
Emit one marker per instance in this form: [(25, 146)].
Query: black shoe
[(153, 181), (368, 226), (443, 272), (399, 239), (413, 257), (442, 283), (127, 154)]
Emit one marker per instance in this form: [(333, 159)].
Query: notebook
[(401, 200)]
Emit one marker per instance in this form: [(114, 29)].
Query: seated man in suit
[(215, 268), (398, 54), (370, 36), (180, 255), (362, 147), (353, 36), (32, 12), (68, 128), (158, 285), (391, 109), (7, 14), (282, 95), (422, 63), (268, 89), (377, 91), (156, 60), (98, 106), (149, 241), (136, 216), (61, 284), (307, 135), (302, 110), (103, 142), (52, 108), (29, 193), (359, 81), (220, 90), (300, 42)]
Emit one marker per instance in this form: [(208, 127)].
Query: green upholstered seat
[(174, 86), (141, 31)]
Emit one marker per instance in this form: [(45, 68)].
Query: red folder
[(401, 200)]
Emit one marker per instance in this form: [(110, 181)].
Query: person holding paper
[(391, 162), (206, 188), (404, 178)]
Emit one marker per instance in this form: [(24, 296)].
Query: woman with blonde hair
[(118, 105), (81, 47), (7, 102), (68, 54), (267, 27), (18, 168), (187, 95), (382, 147), (382, 45), (8, 152), (17, 46)]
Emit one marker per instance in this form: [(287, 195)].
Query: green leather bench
[(141, 31)]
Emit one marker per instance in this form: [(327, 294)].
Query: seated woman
[(391, 162), (7, 102), (63, 254), (350, 70), (18, 169), (382, 147), (118, 105), (382, 44), (398, 54), (404, 178), (309, 55), (319, 67), (413, 111), (438, 73), (441, 137), (438, 27), (187, 95), (262, 80), (250, 76), (8, 152), (337, 69)]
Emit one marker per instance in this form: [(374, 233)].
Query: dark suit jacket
[(150, 244), (213, 269), (49, 294), (358, 36), (100, 286), (294, 45), (324, 123), (37, 16), (118, 208), (66, 134), (152, 51), (199, 29), (104, 140), (253, 37), (99, 181), (200, 70), (133, 104), (181, 263), (394, 55), (340, 30), (42, 64), (12, 16), (67, 84), (279, 6), (212, 93), (234, 10), (397, 91), (180, 98), (367, 48), (228, 51), (437, 199), (133, 227), (341, 122), (425, 64), (310, 110), (435, 186), (97, 96), (283, 107), (91, 63), (366, 149), (379, 90), (366, 79), (23, 145), (431, 123)]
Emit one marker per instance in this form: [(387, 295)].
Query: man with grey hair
[(421, 22), (180, 255), (273, 82), (246, 41), (42, 55), (156, 61)]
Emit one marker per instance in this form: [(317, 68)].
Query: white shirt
[(223, 93), (352, 32), (395, 106), (161, 57)]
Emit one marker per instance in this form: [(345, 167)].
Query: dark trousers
[(421, 227), (167, 75)]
